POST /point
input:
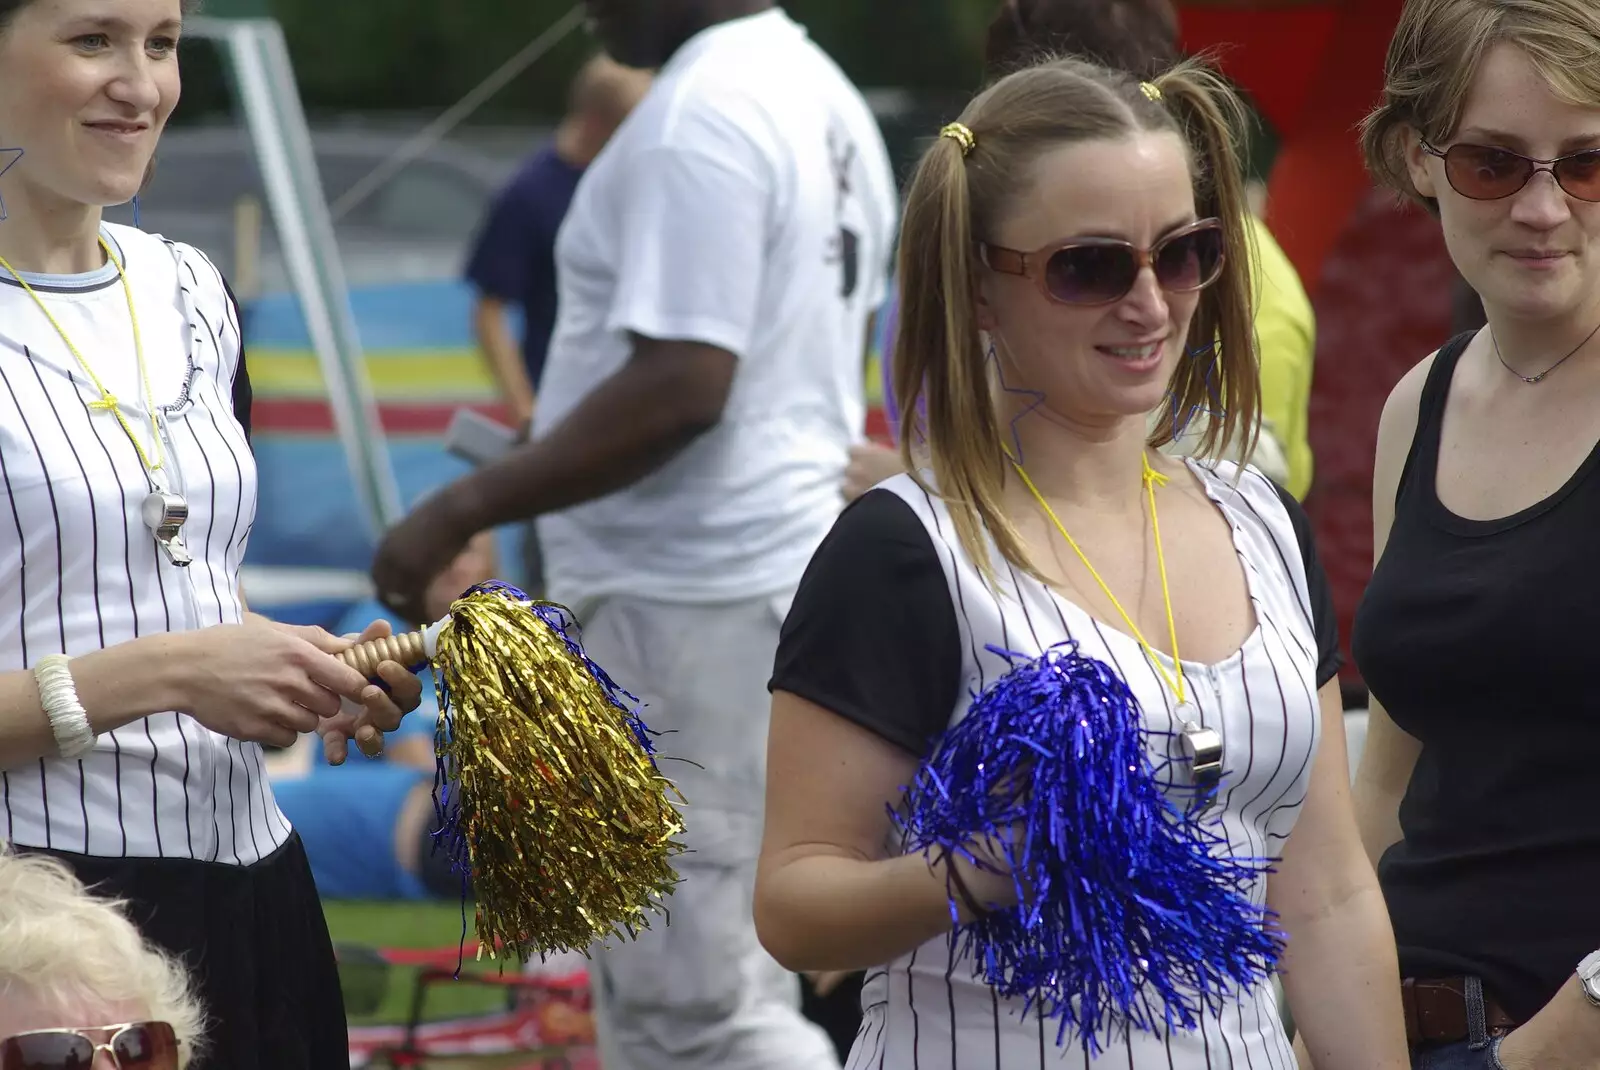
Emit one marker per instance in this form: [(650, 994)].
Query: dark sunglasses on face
[(1486, 173), (140, 1046), (1100, 271)]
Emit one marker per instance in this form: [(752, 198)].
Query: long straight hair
[(956, 199)]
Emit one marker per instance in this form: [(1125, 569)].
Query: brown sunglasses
[(138, 1046), (1486, 173), (1100, 271)]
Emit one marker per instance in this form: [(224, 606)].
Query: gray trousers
[(699, 992)]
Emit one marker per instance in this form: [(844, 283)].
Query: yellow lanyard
[(1151, 479), (108, 400)]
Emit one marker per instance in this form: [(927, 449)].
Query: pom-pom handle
[(414, 650)]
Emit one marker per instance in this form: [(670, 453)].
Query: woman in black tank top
[(1474, 791)]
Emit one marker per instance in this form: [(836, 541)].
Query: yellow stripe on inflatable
[(434, 374)]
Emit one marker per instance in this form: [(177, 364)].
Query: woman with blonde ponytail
[(1071, 276)]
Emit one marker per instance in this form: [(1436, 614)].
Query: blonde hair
[(61, 945), (957, 198), (1435, 54)]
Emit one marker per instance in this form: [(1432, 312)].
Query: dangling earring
[(6, 165), (1213, 406), (136, 212), (1036, 398)]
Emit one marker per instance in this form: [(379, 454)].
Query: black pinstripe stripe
[(966, 620), (186, 399), (994, 1010), (911, 1005), (256, 779), (1305, 760), (1172, 728), (1278, 1036), (1220, 723), (230, 747), (22, 609), (133, 609), (950, 1003), (55, 516), (1263, 817), (94, 557), (155, 810), (883, 1043), (1250, 840), (1271, 628), (1253, 584), (1116, 664), (1038, 643), (255, 787)]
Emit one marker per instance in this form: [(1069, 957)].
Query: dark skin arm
[(666, 396)]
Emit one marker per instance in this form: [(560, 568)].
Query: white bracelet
[(59, 695)]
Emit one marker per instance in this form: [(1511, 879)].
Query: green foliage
[(424, 55), (421, 56)]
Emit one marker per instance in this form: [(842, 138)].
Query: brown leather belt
[(1436, 1011)]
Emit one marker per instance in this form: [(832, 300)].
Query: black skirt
[(257, 947)]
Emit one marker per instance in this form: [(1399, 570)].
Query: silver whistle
[(164, 514), (1202, 749)]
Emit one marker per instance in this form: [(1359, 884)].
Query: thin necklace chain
[(1540, 377)]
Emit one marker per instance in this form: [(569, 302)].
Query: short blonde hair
[(1435, 54), (59, 944)]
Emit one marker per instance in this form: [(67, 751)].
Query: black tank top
[(1479, 639)]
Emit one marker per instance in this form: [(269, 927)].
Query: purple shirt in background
[(514, 259)]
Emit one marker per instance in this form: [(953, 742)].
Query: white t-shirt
[(747, 203)]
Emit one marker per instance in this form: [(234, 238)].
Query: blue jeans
[(1458, 1057)]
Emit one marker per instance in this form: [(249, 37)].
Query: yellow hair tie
[(961, 134), (1150, 90)]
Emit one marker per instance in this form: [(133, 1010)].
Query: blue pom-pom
[(1131, 911)]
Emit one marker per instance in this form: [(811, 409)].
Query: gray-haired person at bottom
[(80, 989)]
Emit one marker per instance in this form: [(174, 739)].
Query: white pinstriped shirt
[(80, 571), (925, 1011)]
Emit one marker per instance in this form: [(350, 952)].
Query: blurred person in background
[(136, 688), (1140, 36), (1475, 632), (513, 262), (368, 829), (718, 272), (80, 989)]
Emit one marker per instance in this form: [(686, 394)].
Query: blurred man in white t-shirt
[(717, 273)]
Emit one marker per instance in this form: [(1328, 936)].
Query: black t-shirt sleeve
[(1324, 619), (872, 632)]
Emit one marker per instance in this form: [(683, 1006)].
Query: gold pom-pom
[(551, 787)]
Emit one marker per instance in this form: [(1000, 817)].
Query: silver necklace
[(1540, 377)]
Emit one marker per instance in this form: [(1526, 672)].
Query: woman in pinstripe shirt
[(1069, 257), (135, 688)]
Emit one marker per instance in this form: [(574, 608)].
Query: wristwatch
[(1589, 976)]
